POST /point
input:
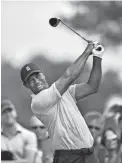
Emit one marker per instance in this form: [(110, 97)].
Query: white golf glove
[(98, 50)]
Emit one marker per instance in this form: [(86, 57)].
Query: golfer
[(56, 106)]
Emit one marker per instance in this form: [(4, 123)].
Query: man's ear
[(15, 113)]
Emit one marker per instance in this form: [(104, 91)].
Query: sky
[(25, 30)]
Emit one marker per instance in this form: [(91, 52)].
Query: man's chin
[(39, 90), (10, 123)]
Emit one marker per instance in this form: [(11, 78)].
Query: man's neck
[(112, 153), (44, 136), (9, 130)]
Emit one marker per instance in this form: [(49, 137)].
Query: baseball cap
[(93, 118), (34, 121), (93, 115), (27, 70), (6, 104), (111, 135)]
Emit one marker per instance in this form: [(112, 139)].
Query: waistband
[(82, 151)]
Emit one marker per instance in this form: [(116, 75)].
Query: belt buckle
[(83, 151), (91, 150), (87, 151)]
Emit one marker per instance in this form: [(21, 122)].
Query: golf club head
[(54, 22)]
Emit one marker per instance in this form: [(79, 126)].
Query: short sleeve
[(45, 100), (30, 144), (72, 91), (31, 141)]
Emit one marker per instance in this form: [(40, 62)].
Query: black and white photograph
[(61, 81)]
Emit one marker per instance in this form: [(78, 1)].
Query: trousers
[(84, 155)]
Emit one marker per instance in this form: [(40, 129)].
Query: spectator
[(120, 127), (113, 119), (19, 142), (43, 139), (96, 125), (93, 120), (112, 143)]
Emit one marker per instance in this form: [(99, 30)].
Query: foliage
[(98, 17)]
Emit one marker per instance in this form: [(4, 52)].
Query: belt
[(82, 151)]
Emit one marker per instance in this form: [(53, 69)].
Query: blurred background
[(26, 36)]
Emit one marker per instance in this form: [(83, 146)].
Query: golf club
[(54, 23)]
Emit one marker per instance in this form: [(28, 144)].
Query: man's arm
[(72, 73), (83, 90), (30, 148)]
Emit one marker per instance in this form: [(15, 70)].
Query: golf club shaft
[(75, 32)]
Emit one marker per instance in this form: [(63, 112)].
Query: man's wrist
[(97, 56), (90, 47), (89, 50)]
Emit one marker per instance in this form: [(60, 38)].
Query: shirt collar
[(18, 129), (32, 95)]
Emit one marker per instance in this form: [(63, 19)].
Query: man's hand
[(93, 47), (90, 47), (96, 51)]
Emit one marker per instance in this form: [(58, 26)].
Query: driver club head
[(54, 22)]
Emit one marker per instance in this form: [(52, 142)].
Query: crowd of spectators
[(34, 144)]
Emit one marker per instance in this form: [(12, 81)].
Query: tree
[(98, 17)]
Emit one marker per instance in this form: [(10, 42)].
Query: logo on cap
[(28, 68)]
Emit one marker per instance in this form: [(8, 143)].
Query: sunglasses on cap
[(36, 127), (7, 110), (93, 127)]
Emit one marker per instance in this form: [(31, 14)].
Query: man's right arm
[(72, 73), (47, 98)]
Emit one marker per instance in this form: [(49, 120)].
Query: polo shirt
[(23, 145), (60, 114)]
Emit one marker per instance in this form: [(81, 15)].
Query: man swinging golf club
[(56, 107)]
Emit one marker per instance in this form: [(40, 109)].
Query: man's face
[(120, 125), (36, 82), (111, 143), (8, 117), (40, 131), (94, 130)]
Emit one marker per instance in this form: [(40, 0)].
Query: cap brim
[(37, 125), (112, 137), (34, 121), (31, 74), (7, 107)]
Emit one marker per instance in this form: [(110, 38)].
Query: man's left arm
[(30, 149), (85, 89)]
